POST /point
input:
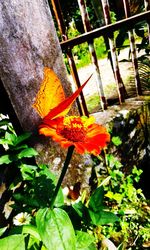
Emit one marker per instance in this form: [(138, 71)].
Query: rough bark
[(28, 41)]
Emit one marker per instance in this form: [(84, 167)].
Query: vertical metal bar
[(133, 50), (87, 27), (147, 7), (59, 18), (119, 82)]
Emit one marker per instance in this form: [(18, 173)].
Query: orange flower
[(52, 106), (81, 132)]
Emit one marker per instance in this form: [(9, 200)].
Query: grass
[(82, 55), (93, 103)]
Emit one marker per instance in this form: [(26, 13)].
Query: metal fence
[(108, 31)]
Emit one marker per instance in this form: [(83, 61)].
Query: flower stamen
[(74, 129)]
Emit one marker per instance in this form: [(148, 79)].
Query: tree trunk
[(28, 42)]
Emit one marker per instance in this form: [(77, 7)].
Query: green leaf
[(96, 200), (82, 211), (13, 242), (121, 246), (33, 243), (43, 190), (21, 138), (92, 246), (46, 171), (83, 240), (2, 230), (5, 141), (122, 35), (102, 217), (55, 229), (4, 122), (59, 199), (113, 161), (116, 196), (28, 152), (19, 147), (109, 194), (28, 171), (79, 208), (5, 159), (105, 181), (32, 230), (25, 199), (116, 140), (50, 182), (10, 138)]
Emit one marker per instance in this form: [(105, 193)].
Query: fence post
[(133, 50), (87, 27), (59, 18), (119, 82)]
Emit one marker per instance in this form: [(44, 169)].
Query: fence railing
[(108, 31)]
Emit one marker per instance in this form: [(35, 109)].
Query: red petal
[(80, 147)]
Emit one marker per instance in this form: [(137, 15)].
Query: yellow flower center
[(74, 129), (22, 219)]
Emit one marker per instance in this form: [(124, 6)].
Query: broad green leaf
[(5, 159), (55, 229), (2, 230), (28, 152), (13, 242), (102, 217), (83, 240), (96, 200)]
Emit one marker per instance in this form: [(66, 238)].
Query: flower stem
[(64, 170)]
